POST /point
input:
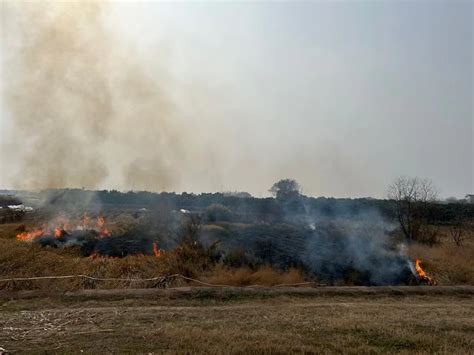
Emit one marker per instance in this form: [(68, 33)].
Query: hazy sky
[(342, 96)]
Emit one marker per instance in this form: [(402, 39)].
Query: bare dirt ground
[(233, 320)]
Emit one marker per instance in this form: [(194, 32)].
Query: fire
[(422, 274), (86, 221), (58, 232), (104, 232), (156, 251), (62, 226), (30, 236)]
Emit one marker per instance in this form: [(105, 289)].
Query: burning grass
[(445, 263), (62, 228), (422, 274), (92, 239), (19, 259)]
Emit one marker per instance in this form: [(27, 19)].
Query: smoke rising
[(199, 99), (84, 113), (358, 248)]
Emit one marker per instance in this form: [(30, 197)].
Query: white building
[(470, 198)]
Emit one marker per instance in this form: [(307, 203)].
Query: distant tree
[(412, 197), (285, 188), (239, 194), (453, 199), (217, 212)]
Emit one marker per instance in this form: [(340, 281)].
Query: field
[(85, 316), (447, 263), (341, 320)]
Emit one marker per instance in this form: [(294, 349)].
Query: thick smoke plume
[(84, 113), (361, 250)]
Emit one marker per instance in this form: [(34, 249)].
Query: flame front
[(58, 232), (422, 274), (104, 232), (72, 231), (86, 221), (62, 226), (30, 236), (156, 251)]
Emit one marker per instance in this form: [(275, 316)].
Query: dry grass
[(447, 263), (19, 259), (349, 325), (245, 276), (28, 261), (210, 322)]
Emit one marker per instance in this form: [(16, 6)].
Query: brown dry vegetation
[(223, 320), (280, 324), (245, 276), (446, 262), (19, 259)]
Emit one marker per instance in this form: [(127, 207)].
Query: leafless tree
[(192, 226), (458, 235), (412, 197)]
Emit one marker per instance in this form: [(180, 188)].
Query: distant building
[(470, 198)]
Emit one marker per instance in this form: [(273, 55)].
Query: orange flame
[(86, 221), (63, 226), (422, 274), (156, 251), (104, 232), (30, 236), (58, 232)]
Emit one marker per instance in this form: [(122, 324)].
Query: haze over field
[(341, 96)]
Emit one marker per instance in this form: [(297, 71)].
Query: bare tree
[(412, 197), (457, 231), (192, 226)]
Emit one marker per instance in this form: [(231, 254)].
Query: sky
[(343, 96)]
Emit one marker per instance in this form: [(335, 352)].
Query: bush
[(190, 258), (218, 213), (237, 258)]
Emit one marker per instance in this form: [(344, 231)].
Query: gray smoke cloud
[(190, 97), (84, 113), (360, 244)]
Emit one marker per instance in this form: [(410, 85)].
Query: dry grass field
[(204, 322), (447, 263), (42, 317)]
